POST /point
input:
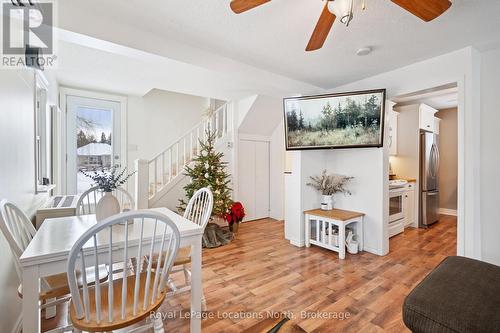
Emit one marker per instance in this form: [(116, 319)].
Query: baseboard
[(297, 243), (19, 324), (373, 251), (446, 211)]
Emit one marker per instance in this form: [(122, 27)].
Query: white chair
[(199, 211), (18, 230), (88, 200), (129, 299)]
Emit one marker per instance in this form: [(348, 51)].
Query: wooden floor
[(260, 273)]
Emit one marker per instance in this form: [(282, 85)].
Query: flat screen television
[(341, 120)]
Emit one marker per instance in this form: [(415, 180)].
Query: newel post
[(142, 184)]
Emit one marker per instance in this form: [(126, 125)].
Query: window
[(43, 135)]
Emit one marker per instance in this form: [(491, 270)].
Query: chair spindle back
[(199, 208), (87, 202), (154, 233)]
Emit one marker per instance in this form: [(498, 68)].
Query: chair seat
[(58, 283), (104, 325), (183, 257)]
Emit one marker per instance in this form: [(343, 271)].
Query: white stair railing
[(156, 174)]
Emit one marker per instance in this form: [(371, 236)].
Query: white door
[(253, 178), (92, 139)]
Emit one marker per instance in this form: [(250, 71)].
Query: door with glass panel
[(92, 139)]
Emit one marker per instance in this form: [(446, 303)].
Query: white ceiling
[(89, 63), (273, 37)]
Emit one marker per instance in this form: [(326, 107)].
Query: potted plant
[(108, 180), (328, 185), (234, 216)]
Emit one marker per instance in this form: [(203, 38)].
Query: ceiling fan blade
[(240, 6), (427, 10), (322, 29)]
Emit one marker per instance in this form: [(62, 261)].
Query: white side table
[(325, 222)]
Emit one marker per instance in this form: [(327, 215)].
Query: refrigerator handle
[(432, 161), (438, 157), (431, 194)]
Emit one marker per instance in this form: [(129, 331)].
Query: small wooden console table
[(325, 222)]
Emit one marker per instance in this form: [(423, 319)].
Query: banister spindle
[(155, 176), (170, 169), (163, 169), (177, 159), (191, 146), (184, 159), (216, 127), (198, 141)]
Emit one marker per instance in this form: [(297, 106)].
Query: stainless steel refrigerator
[(429, 178)]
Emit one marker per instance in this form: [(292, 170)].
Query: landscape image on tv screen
[(346, 120)]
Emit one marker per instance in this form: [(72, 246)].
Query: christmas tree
[(209, 171)]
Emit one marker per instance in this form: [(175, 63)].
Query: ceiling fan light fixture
[(343, 9)]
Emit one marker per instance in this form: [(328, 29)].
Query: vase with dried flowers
[(328, 185), (234, 216), (108, 180)]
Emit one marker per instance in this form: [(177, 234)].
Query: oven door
[(396, 206)]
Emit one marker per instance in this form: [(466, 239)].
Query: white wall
[(367, 187), (448, 150), (262, 117), (490, 155), (367, 168), (277, 169), (298, 196), (158, 119), (17, 170)]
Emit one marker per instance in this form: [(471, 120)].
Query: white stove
[(397, 192)]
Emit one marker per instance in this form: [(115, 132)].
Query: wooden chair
[(18, 230), (88, 200), (199, 211), (129, 299)]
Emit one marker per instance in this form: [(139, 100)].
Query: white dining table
[(47, 254)]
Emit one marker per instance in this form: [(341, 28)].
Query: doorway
[(93, 138), (426, 153), (253, 178)]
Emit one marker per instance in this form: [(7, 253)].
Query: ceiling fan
[(426, 10)]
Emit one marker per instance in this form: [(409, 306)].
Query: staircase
[(157, 176)]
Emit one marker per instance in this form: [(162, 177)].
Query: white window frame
[(64, 92), (42, 144)]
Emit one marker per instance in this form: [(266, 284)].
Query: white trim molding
[(297, 243), (446, 211), (123, 100)]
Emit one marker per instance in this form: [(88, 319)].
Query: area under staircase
[(157, 176)]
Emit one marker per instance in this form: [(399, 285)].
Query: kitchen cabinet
[(393, 133), (437, 122), (409, 204), (426, 118)]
